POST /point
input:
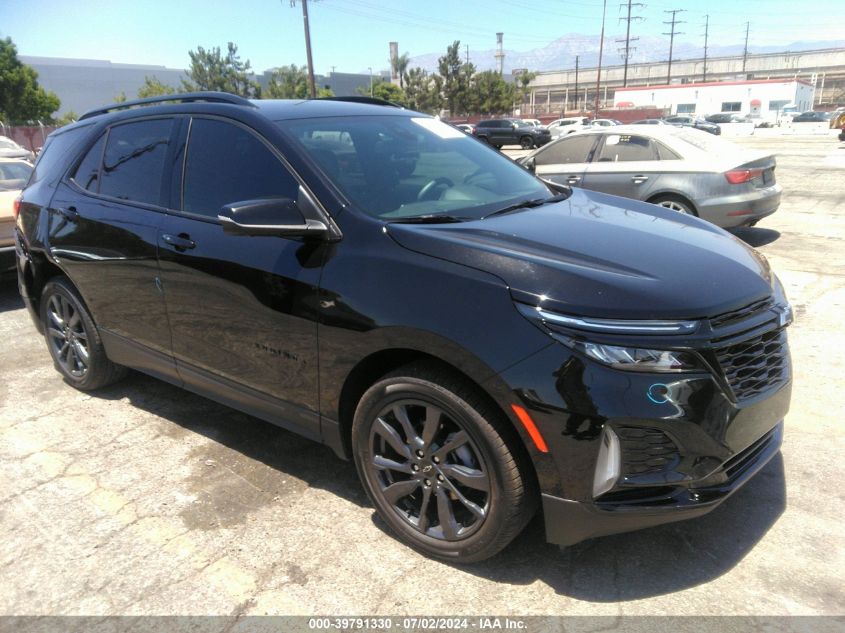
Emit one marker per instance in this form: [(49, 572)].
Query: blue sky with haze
[(352, 35)]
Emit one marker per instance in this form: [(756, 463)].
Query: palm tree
[(399, 66)]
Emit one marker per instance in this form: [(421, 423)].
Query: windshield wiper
[(432, 218), (528, 204)]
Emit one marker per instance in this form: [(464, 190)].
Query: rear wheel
[(675, 203), (433, 459), (73, 339)]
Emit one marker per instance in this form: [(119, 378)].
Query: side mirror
[(514, 125), (270, 216), (530, 164)]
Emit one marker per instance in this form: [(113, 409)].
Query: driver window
[(575, 149), (226, 164)]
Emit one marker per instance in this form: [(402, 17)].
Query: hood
[(603, 256)]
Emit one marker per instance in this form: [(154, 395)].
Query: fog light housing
[(608, 464)]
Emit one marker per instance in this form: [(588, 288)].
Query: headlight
[(569, 330), (635, 358)]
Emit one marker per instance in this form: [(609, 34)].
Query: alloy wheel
[(67, 336), (428, 470), (674, 206)]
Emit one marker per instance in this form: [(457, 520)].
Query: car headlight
[(635, 358), (570, 331)]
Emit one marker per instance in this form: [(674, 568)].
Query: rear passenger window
[(226, 164), (627, 147), (133, 164), (87, 174), (54, 157)]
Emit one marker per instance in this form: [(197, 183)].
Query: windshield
[(398, 167)]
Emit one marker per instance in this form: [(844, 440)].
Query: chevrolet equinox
[(481, 343)]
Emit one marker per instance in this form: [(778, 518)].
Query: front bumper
[(568, 522)]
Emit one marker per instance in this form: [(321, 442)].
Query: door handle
[(573, 180), (70, 214), (181, 242), (638, 180)]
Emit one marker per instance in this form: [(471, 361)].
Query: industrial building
[(567, 90), (761, 99)]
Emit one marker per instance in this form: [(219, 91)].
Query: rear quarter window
[(58, 152)]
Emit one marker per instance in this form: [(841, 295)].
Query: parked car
[(604, 122), (466, 128), (10, 149), (812, 117), (726, 117), (649, 122), (324, 264), (562, 127), (533, 122), (500, 132), (698, 123), (675, 167), (14, 174)]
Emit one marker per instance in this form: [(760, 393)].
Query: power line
[(671, 35), (627, 54)]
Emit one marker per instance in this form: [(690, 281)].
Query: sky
[(353, 35)]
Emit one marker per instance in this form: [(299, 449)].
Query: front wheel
[(526, 142), (434, 460), (73, 339)]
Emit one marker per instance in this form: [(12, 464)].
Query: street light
[(371, 80)]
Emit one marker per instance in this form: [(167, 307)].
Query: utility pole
[(467, 53), (577, 57), (672, 35), (626, 55), (706, 33), (601, 49), (745, 50), (312, 88)]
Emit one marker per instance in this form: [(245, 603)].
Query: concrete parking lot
[(144, 499)]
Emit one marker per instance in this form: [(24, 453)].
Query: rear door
[(566, 160), (241, 307), (624, 165), (103, 229)]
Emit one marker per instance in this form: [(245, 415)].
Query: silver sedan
[(683, 169)]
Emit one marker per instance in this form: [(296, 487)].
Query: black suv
[(696, 122), (500, 132), (482, 343)]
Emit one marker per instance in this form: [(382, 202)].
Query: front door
[(240, 307)]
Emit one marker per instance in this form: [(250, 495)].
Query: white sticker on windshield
[(438, 127), (612, 139)]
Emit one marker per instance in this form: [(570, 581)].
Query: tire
[(445, 476), (73, 339), (526, 142), (675, 203)]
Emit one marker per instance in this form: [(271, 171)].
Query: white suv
[(562, 127)]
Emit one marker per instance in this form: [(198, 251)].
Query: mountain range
[(560, 54)]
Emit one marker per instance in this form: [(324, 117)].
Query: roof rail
[(355, 99), (212, 97)]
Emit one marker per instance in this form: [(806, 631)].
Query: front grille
[(746, 312), (755, 365), (645, 450)]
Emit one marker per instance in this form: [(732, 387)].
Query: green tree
[(423, 91), (121, 98), (400, 68), (21, 98), (211, 70), (385, 90), (449, 67), (522, 84), (154, 88), (494, 95), (291, 82), (68, 117)]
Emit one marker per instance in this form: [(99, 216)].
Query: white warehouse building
[(760, 98)]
